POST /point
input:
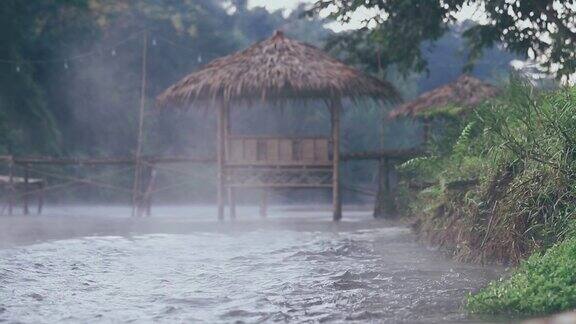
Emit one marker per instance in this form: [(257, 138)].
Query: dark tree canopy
[(543, 30)]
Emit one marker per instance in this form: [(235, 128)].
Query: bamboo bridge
[(25, 182)]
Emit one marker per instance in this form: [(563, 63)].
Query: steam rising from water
[(357, 270)]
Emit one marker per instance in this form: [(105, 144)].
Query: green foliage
[(501, 179), (27, 32), (452, 152), (87, 105), (522, 26), (543, 284)]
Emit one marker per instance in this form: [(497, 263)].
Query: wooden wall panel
[(279, 151), (286, 153), (307, 146), (236, 150), (262, 150), (321, 149), (250, 150), (273, 149)]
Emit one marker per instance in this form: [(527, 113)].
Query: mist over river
[(96, 264)]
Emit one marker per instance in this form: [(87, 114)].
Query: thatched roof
[(465, 92), (278, 68)]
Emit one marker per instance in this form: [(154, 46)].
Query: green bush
[(500, 180), (544, 284)]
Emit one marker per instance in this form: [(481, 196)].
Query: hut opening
[(276, 71)]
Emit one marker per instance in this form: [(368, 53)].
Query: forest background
[(70, 82)]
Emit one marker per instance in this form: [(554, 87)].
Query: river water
[(294, 266)]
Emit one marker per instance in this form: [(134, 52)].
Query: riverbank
[(543, 284), (503, 191)]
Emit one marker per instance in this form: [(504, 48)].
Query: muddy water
[(291, 267)]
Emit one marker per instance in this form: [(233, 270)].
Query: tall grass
[(504, 177)]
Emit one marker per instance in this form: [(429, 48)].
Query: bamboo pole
[(26, 193), (336, 106), (264, 203), (385, 206), (227, 150), (11, 186), (111, 161), (232, 201), (383, 192), (377, 155), (147, 201), (40, 196), (360, 190), (221, 147), (136, 192), (129, 160)]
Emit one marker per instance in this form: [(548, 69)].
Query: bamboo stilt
[(147, 196), (40, 196), (232, 202), (136, 192), (227, 135), (221, 156), (385, 206), (12, 190), (335, 108), (26, 195), (264, 203)]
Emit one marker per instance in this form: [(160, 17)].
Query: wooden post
[(336, 106), (227, 134), (137, 188), (391, 208), (26, 185), (147, 200), (221, 147), (148, 206), (263, 203), (40, 197), (385, 206), (382, 193), (232, 201), (11, 188), (426, 130)]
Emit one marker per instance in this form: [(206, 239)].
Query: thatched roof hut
[(278, 68), (466, 92)]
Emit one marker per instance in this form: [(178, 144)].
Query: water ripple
[(267, 275)]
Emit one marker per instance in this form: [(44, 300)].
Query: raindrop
[(113, 52), (18, 68), (154, 42), (199, 58), (66, 65)]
